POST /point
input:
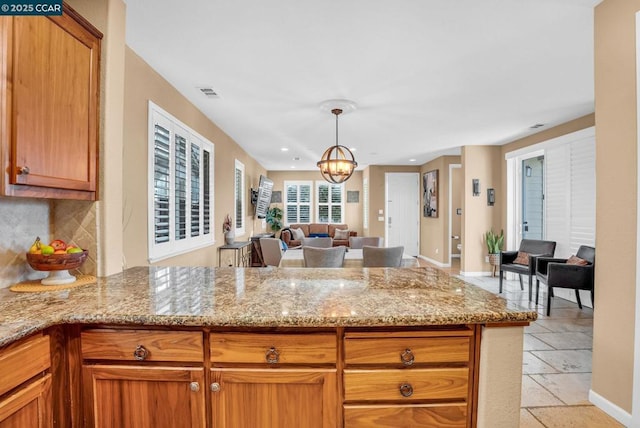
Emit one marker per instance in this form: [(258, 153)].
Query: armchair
[(534, 248), (558, 273)]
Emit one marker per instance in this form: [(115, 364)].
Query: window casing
[(298, 200), (240, 209), (365, 203), (180, 183), (330, 205)]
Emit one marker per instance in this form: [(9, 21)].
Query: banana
[(36, 247)]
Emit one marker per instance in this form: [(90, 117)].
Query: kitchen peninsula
[(196, 346)]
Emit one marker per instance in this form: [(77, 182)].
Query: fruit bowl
[(58, 266)]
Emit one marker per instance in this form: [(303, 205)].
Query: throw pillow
[(318, 235), (298, 234), (341, 234), (573, 260), (522, 259)]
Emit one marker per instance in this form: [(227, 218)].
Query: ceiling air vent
[(537, 125), (209, 92)]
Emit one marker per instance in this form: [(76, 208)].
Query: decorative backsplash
[(22, 219)]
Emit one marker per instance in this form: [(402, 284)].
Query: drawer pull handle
[(406, 390), (407, 357), (194, 386), (272, 356), (141, 353), (23, 170), (215, 387)]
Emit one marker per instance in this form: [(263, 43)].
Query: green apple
[(72, 250), (47, 250)]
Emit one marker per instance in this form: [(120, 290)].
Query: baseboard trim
[(609, 408), (455, 256), (475, 273), (435, 262)]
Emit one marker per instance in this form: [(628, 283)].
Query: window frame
[(205, 228), (239, 197), (330, 204), (298, 183)]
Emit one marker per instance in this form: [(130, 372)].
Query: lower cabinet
[(25, 384), (274, 398), (143, 378), (126, 396), (348, 378), (421, 378)]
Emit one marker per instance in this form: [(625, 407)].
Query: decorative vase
[(229, 237)]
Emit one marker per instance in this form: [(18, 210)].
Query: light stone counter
[(260, 297)]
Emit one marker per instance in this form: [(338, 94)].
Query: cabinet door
[(29, 406), (265, 398), (128, 396), (52, 103)]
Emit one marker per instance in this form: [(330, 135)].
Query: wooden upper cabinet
[(49, 92)]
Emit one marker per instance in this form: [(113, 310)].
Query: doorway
[(402, 222), (532, 179)]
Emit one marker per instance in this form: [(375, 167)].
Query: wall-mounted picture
[(430, 193)]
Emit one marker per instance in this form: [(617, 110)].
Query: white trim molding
[(611, 409), (435, 262)]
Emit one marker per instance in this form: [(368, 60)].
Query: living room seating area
[(295, 233)]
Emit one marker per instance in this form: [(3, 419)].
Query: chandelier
[(337, 163)]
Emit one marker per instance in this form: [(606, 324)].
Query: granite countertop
[(260, 297)]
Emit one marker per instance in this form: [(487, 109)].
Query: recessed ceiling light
[(284, 149), (412, 160), (293, 167)]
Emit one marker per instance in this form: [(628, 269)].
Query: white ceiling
[(428, 76)]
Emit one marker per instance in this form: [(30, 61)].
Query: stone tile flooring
[(556, 361)]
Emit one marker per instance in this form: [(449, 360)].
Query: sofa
[(316, 229)]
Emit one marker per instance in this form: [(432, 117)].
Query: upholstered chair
[(319, 242), (576, 273), (360, 241), (382, 257), (323, 257), (271, 251), (523, 261)]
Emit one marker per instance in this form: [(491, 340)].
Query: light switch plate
[(380, 212), (380, 218)]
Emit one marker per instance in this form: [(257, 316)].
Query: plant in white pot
[(494, 246)]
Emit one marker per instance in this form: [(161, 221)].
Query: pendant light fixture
[(337, 163)]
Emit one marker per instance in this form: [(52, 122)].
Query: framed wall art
[(430, 193)]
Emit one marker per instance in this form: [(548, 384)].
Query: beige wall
[(457, 195), (353, 211), (616, 169), (434, 232), (484, 163), (142, 83)]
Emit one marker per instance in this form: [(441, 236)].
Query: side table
[(242, 253)]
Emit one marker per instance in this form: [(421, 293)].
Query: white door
[(402, 220)]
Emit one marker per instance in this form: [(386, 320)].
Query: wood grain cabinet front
[(422, 378), (25, 384), (274, 380), (49, 96), (143, 378)]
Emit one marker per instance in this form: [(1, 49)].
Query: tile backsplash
[(23, 219)]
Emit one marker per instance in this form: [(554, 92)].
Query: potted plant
[(274, 218), (494, 246)]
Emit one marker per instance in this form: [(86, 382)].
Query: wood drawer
[(149, 345), (21, 361), (425, 384), (287, 348), (412, 416), (413, 350)]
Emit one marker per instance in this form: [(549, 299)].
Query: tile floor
[(556, 361)]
